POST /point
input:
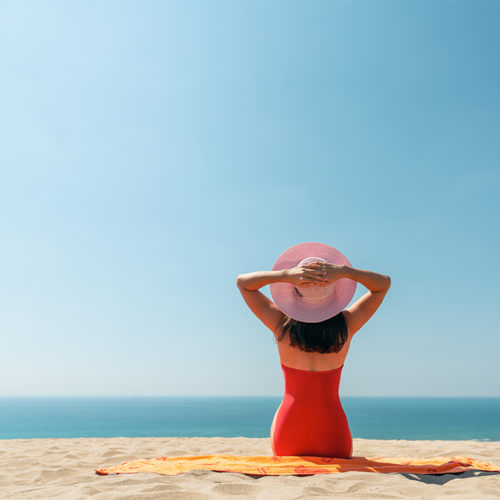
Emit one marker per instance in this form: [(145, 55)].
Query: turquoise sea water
[(374, 418)]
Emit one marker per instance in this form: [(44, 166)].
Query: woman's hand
[(307, 275), (330, 272)]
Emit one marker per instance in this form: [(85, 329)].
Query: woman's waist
[(311, 398)]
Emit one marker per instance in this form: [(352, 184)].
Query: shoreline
[(50, 467)]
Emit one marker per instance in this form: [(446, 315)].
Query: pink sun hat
[(314, 303)]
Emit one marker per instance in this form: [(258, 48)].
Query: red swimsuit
[(310, 420)]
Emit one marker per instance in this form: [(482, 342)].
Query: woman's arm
[(302, 275), (364, 308), (264, 308), (254, 281), (373, 281)]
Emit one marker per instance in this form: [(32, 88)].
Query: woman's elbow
[(239, 280)]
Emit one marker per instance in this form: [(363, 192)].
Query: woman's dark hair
[(326, 336)]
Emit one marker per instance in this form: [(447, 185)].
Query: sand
[(64, 468)]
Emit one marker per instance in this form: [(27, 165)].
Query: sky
[(152, 151)]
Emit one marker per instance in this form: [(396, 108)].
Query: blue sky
[(151, 151)]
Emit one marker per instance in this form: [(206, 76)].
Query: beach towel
[(301, 466)]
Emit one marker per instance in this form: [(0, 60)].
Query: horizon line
[(223, 396)]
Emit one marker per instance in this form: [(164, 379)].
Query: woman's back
[(311, 361)]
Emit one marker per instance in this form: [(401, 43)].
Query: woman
[(311, 284)]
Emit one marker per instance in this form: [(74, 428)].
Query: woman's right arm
[(364, 308), (373, 281)]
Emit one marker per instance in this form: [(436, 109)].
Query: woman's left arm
[(254, 281), (265, 309)]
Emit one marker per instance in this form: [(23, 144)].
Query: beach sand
[(64, 468)]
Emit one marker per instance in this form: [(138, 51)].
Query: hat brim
[(284, 294)]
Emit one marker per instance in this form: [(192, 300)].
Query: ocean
[(446, 418)]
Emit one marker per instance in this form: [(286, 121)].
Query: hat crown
[(312, 304), (314, 292)]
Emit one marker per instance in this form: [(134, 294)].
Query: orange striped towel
[(276, 466)]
